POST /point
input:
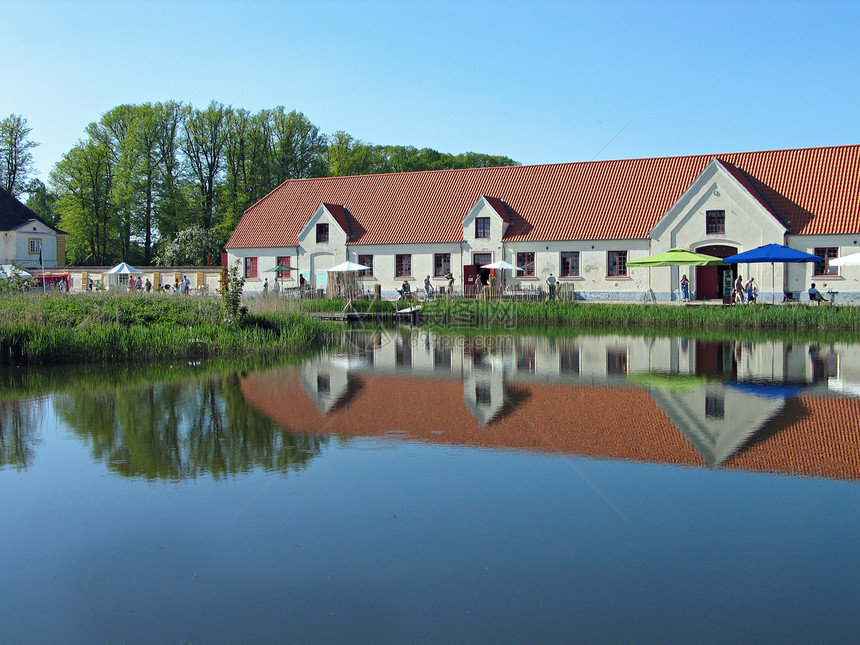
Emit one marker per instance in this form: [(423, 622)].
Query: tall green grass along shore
[(795, 317), (39, 329)]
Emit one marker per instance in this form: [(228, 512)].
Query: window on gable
[(322, 233), (828, 253), (402, 265), (366, 260), (715, 406), (482, 227), (715, 222), (616, 263), (35, 245), (526, 261), (569, 264), (441, 264), (250, 267)]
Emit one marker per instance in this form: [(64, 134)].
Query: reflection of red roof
[(814, 191), (815, 437), (824, 442), (436, 412)]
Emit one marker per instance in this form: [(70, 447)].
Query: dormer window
[(482, 227), (322, 233), (715, 222)]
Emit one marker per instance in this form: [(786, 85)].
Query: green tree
[(349, 156), (84, 180), (298, 146), (42, 201), (205, 136), (191, 247), (16, 160)]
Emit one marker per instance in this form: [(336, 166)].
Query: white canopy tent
[(11, 271), (113, 275)]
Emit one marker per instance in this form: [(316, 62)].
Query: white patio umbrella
[(501, 264), (852, 260), (348, 267), (344, 267)]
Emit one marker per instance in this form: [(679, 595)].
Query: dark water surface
[(410, 488)]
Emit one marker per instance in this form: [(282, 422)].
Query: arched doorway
[(715, 282)]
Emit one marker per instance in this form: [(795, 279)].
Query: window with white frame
[(35, 245)]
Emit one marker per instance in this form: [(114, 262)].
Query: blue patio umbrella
[(772, 253)]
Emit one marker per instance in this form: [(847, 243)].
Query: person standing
[(148, 286), (550, 281), (276, 287), (265, 286), (750, 289), (738, 290), (685, 288)]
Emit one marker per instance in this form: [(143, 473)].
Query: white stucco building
[(582, 222), (25, 237)]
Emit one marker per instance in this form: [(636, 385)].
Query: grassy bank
[(42, 329), (761, 317)]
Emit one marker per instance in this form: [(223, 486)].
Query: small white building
[(582, 222), (26, 239)]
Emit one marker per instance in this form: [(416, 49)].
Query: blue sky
[(540, 82)]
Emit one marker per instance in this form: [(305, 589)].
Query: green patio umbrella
[(280, 267), (677, 257)]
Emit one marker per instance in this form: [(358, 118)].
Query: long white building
[(582, 222)]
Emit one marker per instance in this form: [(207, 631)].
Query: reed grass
[(784, 318), (95, 328)]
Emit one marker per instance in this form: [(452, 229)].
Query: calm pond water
[(414, 488)]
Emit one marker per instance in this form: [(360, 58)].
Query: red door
[(470, 274)]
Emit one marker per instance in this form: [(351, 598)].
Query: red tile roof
[(812, 190)]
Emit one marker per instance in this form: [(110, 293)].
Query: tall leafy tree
[(42, 201), (298, 146), (203, 143), (16, 160), (174, 211), (84, 180)]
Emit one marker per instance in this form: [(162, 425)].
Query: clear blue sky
[(540, 82)]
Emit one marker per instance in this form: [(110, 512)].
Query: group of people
[(744, 292), (139, 284)]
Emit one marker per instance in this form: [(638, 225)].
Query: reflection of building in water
[(757, 406)]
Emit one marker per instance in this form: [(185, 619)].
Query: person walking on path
[(738, 290)]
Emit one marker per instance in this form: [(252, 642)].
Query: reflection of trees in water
[(18, 431), (178, 431)]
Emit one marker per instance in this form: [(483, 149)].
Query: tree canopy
[(145, 175)]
